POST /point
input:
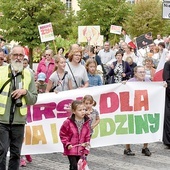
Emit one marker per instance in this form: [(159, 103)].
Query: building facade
[(71, 4), (74, 4)]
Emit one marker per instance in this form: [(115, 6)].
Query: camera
[(18, 102)]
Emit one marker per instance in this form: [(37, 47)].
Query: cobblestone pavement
[(108, 158)]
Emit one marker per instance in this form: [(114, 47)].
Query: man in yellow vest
[(17, 90)]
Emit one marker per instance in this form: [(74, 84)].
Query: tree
[(146, 16), (21, 19), (104, 13)]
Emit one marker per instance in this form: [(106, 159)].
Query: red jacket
[(48, 71), (69, 135)]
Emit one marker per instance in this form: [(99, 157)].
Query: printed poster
[(90, 34), (115, 29), (46, 32)]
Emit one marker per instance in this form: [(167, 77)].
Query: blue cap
[(41, 76)]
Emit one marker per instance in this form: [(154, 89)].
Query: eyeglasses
[(16, 55), (48, 54), (141, 72), (77, 55)]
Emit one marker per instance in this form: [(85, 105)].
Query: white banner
[(130, 113)]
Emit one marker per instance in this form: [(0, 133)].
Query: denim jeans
[(11, 137)]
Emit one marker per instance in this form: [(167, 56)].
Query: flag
[(159, 71), (129, 42)]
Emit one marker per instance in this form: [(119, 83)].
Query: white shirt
[(156, 41), (106, 56)]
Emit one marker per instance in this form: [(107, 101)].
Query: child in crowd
[(92, 113), (60, 80), (40, 83), (26, 62), (132, 65), (94, 78), (75, 134)]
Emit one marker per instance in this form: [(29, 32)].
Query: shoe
[(128, 152), (167, 146), (146, 151), (28, 158), (23, 162)]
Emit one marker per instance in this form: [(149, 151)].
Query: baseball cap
[(41, 76)]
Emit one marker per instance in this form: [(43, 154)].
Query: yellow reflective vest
[(26, 80)]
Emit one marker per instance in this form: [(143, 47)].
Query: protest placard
[(144, 40), (115, 29), (90, 34), (46, 32)]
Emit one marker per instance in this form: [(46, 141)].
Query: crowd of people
[(80, 67)]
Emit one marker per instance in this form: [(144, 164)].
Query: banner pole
[(55, 47)]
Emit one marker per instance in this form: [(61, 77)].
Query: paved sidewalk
[(108, 158)]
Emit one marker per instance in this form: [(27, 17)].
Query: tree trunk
[(107, 34), (31, 57)]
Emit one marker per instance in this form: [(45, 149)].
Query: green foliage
[(146, 16), (65, 43), (22, 17), (166, 28), (104, 13), (58, 42)]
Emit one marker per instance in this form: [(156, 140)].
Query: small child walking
[(40, 83), (60, 80), (75, 134), (94, 78), (92, 113)]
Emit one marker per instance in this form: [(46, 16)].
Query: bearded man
[(17, 90)]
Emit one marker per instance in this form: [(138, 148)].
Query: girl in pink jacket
[(75, 134)]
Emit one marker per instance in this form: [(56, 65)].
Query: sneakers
[(167, 146), (28, 158), (23, 162), (146, 151), (128, 152)]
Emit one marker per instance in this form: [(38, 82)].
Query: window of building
[(131, 1), (68, 4)]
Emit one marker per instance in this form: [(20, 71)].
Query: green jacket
[(28, 83)]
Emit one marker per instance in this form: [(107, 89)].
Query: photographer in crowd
[(17, 90)]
